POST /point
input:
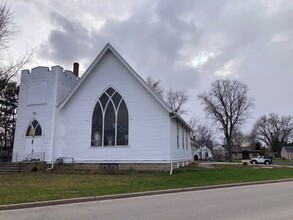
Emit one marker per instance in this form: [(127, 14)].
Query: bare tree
[(7, 28), (176, 100), (252, 140), (238, 140), (274, 130), (228, 104), (193, 122), (8, 105), (8, 66), (8, 69), (155, 85), (204, 135)]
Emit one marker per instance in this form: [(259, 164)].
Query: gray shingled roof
[(289, 149)]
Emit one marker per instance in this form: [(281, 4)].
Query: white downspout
[(170, 133), (171, 171), (52, 166)]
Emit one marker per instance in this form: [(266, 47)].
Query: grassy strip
[(30, 187)]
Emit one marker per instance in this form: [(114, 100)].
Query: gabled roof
[(96, 62), (289, 149)]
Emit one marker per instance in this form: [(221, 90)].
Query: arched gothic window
[(34, 129), (110, 120)]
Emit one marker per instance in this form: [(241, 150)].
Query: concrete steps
[(12, 167)]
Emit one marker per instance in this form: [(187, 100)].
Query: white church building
[(107, 116)]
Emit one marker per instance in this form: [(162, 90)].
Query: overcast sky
[(184, 44)]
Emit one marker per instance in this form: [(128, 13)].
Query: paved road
[(268, 201)]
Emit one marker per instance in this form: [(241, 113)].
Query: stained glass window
[(34, 129), (110, 120)]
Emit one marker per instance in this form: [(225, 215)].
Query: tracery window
[(110, 120), (183, 138), (34, 129), (187, 135), (177, 133)]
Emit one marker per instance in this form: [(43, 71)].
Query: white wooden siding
[(42, 108), (67, 131), (148, 119), (179, 154)]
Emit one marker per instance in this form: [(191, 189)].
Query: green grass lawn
[(29, 187)]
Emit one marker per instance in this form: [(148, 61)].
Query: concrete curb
[(129, 195)]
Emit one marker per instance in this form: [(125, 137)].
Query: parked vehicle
[(261, 160)]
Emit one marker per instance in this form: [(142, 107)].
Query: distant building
[(219, 153), (204, 153), (287, 152), (243, 152)]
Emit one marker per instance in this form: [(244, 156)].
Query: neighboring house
[(201, 151), (243, 152), (287, 152), (204, 153), (108, 116), (219, 153)]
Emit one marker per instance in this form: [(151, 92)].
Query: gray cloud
[(151, 40), (67, 42), (247, 40)]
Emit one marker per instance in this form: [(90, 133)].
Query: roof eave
[(107, 47)]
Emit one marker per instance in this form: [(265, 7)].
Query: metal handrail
[(35, 156)]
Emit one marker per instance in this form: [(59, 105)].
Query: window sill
[(118, 146)]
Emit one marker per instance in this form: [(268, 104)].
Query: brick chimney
[(76, 68)]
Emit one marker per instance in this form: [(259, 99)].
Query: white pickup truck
[(261, 159)]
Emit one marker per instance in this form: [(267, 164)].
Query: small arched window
[(110, 120), (34, 129)]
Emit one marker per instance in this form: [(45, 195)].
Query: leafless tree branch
[(9, 71), (176, 100), (7, 28), (155, 85), (228, 104), (274, 130)]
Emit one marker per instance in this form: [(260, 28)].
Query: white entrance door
[(33, 146)]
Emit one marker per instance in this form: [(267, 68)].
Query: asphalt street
[(267, 201)]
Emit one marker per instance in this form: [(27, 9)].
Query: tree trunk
[(229, 148)]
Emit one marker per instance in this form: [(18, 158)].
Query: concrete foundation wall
[(123, 166)]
